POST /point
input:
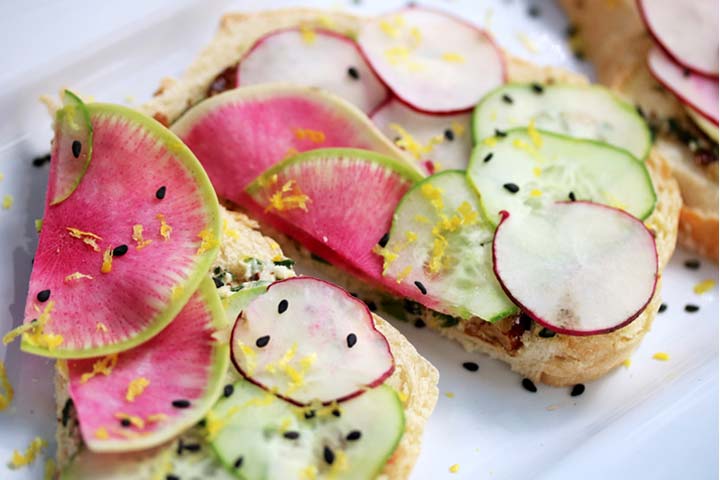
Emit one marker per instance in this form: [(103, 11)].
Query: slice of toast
[(414, 378), (613, 36)]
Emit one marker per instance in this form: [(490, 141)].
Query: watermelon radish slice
[(263, 436), (577, 268), (316, 58), (441, 247), (307, 341), (239, 134), (118, 259), (687, 31), (72, 148), (697, 92), (338, 203), (432, 61), (136, 386), (439, 141)]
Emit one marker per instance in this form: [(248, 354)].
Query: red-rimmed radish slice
[(445, 141), (697, 92), (687, 30), (307, 340), (432, 61), (577, 268), (316, 58)]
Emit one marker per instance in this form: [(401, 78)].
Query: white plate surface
[(652, 420)]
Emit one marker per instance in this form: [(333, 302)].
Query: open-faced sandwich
[(663, 56), (567, 285), (187, 348)]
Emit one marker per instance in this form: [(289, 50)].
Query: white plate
[(653, 420)]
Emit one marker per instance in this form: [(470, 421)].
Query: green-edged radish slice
[(187, 457), (144, 397), (257, 435), (432, 61), (308, 341), (441, 250), (440, 142), (588, 112), (527, 169), (710, 129), (317, 58), (72, 148), (236, 302), (578, 268)]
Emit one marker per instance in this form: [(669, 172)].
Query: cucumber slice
[(188, 458), (259, 436), (439, 251), (588, 112), (526, 169), (236, 303)]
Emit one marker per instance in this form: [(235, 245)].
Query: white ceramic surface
[(654, 419)]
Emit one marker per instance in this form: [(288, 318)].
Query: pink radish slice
[(432, 61), (307, 340), (182, 370), (444, 140), (687, 30), (240, 133), (698, 92), (578, 268), (316, 58)]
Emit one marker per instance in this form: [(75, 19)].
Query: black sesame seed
[(534, 11), (238, 463), (228, 390), (537, 88), (120, 250), (577, 390), (419, 323), (384, 240), (353, 436), (328, 455), (571, 196), (217, 271), (351, 340), (125, 422), (471, 366), (309, 414), (449, 135), (511, 187), (67, 408), (76, 148), (336, 412), (282, 306), (170, 476), (692, 264), (291, 435), (421, 287), (160, 193), (40, 161), (372, 306), (354, 74), (488, 157), (192, 447), (546, 333), (690, 308), (218, 283), (507, 99), (529, 385), (262, 341), (43, 295), (181, 403), (663, 307), (500, 133)]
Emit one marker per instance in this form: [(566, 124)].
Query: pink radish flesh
[(577, 268)]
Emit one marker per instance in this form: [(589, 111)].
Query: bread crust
[(614, 38)]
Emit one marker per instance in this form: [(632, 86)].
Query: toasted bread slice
[(560, 360), (414, 378), (615, 39)]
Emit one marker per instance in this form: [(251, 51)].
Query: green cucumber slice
[(236, 303), (440, 250), (546, 167), (588, 112), (259, 436)]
